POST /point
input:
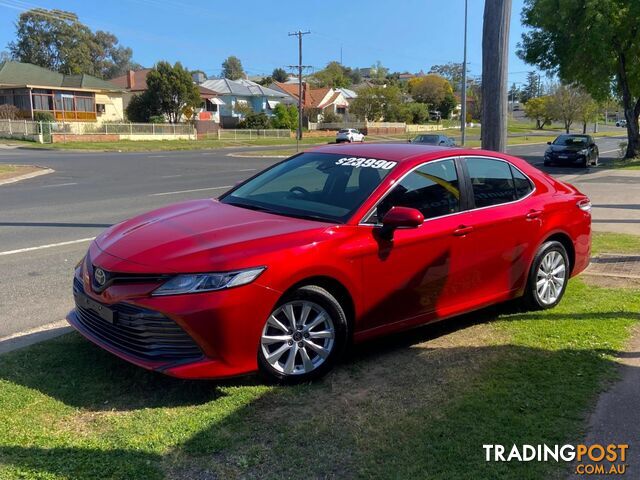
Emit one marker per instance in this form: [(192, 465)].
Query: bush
[(331, 117), (285, 117), (256, 121), (43, 117), (157, 119), (8, 112), (142, 107)]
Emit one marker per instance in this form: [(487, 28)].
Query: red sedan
[(336, 245)]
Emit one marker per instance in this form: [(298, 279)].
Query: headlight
[(207, 282), (583, 152)]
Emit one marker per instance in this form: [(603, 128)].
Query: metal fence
[(247, 134), (89, 128), (18, 128)]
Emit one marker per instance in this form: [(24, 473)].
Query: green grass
[(7, 168), (162, 145), (614, 243), (416, 405)]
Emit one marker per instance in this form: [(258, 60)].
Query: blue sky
[(404, 35)]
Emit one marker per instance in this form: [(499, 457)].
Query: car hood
[(204, 235), (566, 148)]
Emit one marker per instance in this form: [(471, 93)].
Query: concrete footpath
[(616, 418)]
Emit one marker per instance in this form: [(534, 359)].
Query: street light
[(463, 96)]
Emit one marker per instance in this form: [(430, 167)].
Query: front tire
[(548, 277), (303, 337)]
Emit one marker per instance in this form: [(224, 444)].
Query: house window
[(210, 106), (341, 110), (100, 108)]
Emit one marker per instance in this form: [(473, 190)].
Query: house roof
[(242, 88), (348, 94), (139, 80), (313, 97), (26, 74)]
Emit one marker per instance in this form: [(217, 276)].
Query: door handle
[(533, 214), (462, 230)]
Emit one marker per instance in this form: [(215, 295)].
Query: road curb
[(26, 176), (19, 340)]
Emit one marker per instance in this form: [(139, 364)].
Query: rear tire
[(548, 277), (303, 337)]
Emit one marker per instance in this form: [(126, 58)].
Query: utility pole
[(299, 34), (495, 49), (463, 96)]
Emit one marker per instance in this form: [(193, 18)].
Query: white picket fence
[(247, 134)]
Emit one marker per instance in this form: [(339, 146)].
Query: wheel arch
[(335, 288), (567, 243)]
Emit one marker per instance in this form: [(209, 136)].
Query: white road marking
[(610, 151), (157, 156), (60, 185), (189, 191), (171, 176), (42, 247), (247, 170)]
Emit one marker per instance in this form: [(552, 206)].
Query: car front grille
[(139, 332)]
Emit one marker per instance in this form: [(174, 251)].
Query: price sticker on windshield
[(361, 162)]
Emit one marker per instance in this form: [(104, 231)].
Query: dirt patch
[(7, 172)]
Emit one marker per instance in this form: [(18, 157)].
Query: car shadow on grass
[(415, 404)]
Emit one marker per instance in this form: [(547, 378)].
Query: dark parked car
[(580, 150), (434, 139)]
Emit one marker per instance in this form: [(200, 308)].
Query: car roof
[(397, 152)]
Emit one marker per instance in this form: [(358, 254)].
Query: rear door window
[(491, 181)]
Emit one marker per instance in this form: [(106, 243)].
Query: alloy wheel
[(298, 337), (551, 277)]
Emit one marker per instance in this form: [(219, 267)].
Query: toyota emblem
[(100, 277)]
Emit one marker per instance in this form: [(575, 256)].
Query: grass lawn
[(11, 171), (633, 164), (415, 405), (614, 243)]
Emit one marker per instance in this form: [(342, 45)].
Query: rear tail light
[(584, 205)]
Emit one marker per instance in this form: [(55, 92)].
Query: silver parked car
[(434, 139)]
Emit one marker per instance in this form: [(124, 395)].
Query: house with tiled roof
[(134, 82), (237, 95), (318, 101), (68, 98)]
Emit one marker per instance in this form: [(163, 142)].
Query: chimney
[(131, 79)]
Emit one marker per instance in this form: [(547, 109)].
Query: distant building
[(68, 98), (233, 94), (318, 101), (134, 82)]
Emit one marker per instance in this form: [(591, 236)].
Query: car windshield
[(344, 131), (317, 186), (432, 139), (571, 140)]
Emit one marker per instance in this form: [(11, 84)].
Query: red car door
[(503, 227), (421, 273)]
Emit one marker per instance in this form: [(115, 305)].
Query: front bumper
[(565, 159), (207, 335)]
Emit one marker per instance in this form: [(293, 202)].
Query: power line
[(299, 34)]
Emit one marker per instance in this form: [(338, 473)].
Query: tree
[(598, 52), (435, 91), (8, 112), (285, 116), (333, 75), (173, 89), (532, 88), (565, 105), (142, 107), (538, 109), (378, 73), (232, 68), (587, 109), (373, 102), (452, 72), (255, 121), (57, 40), (280, 75)]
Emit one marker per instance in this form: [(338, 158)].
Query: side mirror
[(409, 141), (400, 217), (548, 143)]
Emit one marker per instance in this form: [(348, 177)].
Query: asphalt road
[(46, 222)]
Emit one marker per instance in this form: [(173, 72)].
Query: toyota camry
[(334, 246)]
